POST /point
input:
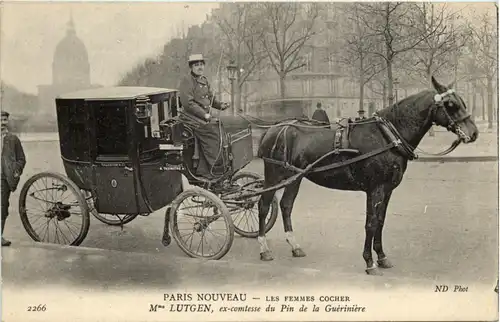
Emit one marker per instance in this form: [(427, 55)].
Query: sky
[(117, 36)]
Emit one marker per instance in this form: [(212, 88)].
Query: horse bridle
[(453, 124)]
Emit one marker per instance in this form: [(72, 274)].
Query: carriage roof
[(114, 93)]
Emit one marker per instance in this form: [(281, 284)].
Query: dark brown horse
[(377, 175)]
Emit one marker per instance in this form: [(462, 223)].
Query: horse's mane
[(410, 100)]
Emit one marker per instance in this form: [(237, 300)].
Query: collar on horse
[(392, 134)]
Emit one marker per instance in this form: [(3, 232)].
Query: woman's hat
[(196, 58)]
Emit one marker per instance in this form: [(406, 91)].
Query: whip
[(218, 72)]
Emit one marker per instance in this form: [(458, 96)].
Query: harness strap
[(284, 164), (392, 134), (302, 172), (356, 159)]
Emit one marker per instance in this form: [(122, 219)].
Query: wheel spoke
[(57, 199), (202, 211)]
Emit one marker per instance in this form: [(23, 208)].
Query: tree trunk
[(361, 96), (239, 90), (474, 100), (219, 86), (361, 87), (483, 104), (388, 54), (245, 98), (390, 89), (282, 91), (384, 95), (490, 102)]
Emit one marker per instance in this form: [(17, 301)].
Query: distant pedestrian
[(320, 114), (13, 162), (361, 116)]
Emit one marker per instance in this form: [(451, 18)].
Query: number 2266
[(38, 308)]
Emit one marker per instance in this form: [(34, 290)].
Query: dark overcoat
[(13, 160), (321, 116), (196, 96)]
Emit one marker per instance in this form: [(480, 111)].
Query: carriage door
[(113, 178)]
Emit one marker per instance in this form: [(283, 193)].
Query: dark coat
[(13, 160), (321, 116), (196, 96)]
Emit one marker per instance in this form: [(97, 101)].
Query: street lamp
[(231, 74), (396, 83)]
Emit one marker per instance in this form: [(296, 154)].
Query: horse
[(288, 148)]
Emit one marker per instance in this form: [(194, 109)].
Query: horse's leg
[(264, 205), (286, 204), (374, 201), (383, 261)]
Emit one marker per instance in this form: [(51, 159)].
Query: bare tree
[(241, 32), (485, 44), (358, 51), (289, 26), (392, 26), (442, 40)]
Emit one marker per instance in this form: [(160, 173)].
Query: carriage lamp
[(143, 108), (143, 111)]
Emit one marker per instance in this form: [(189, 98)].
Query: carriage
[(124, 152)]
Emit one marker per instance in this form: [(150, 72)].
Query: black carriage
[(124, 152)]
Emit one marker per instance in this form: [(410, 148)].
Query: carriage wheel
[(246, 215), (110, 219), (201, 224), (53, 210)]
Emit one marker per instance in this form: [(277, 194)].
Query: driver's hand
[(208, 116)]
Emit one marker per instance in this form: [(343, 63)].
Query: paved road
[(441, 225)]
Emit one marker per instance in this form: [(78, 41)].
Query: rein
[(388, 130), (396, 140), (452, 147), (287, 122)]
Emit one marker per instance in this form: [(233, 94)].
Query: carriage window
[(73, 131), (111, 131)]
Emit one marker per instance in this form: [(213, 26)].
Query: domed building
[(70, 72)]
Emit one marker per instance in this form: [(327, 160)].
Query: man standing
[(320, 114), (13, 162), (361, 116), (196, 97)]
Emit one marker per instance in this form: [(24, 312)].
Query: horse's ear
[(437, 86)]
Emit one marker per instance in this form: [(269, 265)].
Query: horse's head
[(449, 111)]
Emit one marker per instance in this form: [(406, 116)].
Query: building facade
[(323, 78)]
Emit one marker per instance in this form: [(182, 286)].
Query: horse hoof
[(374, 271), (298, 252), (266, 256), (166, 240), (384, 263)]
